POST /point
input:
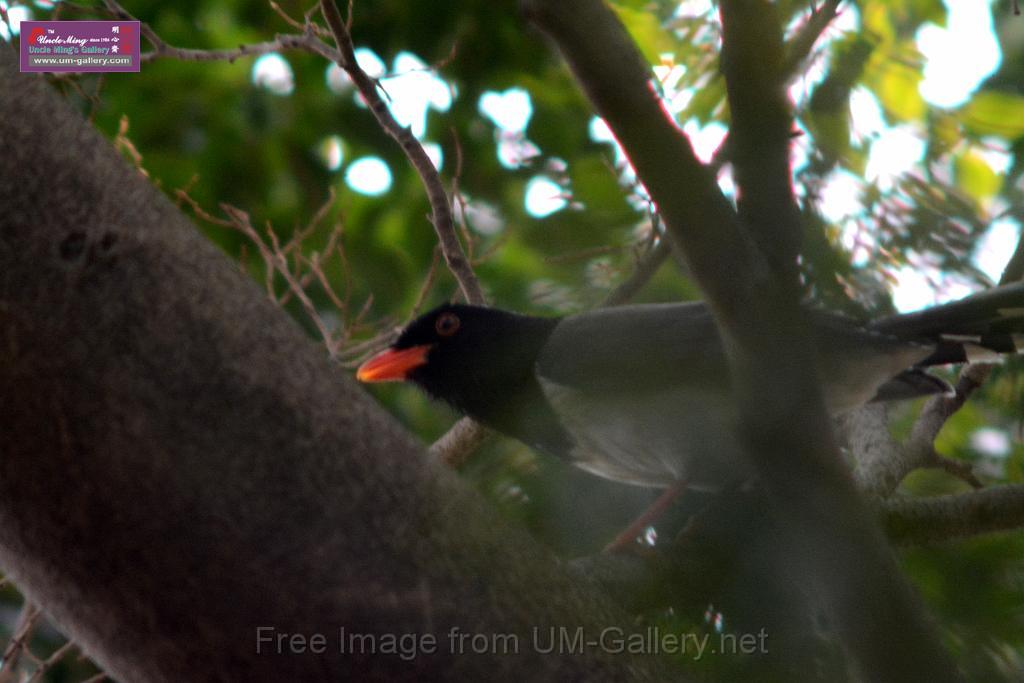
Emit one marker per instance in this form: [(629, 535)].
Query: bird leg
[(651, 514)]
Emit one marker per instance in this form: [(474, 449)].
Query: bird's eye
[(447, 324)]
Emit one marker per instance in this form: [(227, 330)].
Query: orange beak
[(392, 365)]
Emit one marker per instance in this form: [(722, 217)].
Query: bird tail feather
[(980, 327)]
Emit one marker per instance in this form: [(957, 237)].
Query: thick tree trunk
[(180, 467), (745, 262)]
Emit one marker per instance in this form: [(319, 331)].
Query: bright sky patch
[(369, 176), (272, 72)]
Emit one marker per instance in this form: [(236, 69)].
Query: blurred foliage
[(207, 127)]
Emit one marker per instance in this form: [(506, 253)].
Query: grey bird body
[(641, 394), (647, 399)]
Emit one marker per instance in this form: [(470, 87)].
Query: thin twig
[(428, 283), (307, 22), (17, 646), (459, 200), (276, 259), (459, 442), (439, 202), (958, 468), (51, 661), (463, 439), (645, 268), (307, 41)]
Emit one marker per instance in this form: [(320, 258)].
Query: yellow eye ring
[(447, 324)]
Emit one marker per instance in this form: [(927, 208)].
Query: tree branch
[(307, 41), (182, 465), (17, 646), (344, 56), (611, 72), (827, 536), (881, 462), (800, 45), (646, 266), (458, 443), (939, 409), (439, 201), (465, 437), (759, 137), (915, 521)]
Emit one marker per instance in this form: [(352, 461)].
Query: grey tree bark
[(745, 262), (180, 465)]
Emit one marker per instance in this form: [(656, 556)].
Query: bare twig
[(45, 665), (439, 202), (307, 41), (646, 266), (307, 22), (299, 271), (939, 409), (428, 283), (958, 468), (459, 442), (28, 619), (274, 255), (354, 354), (460, 200), (124, 144), (277, 260), (294, 247)]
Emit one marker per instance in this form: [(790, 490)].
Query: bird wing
[(642, 347), (653, 438), (644, 392), (646, 348)]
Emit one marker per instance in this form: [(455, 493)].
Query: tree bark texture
[(180, 465)]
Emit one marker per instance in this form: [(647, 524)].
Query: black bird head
[(471, 357)]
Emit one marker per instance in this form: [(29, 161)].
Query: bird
[(640, 394)]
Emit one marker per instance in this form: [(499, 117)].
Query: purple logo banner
[(80, 46)]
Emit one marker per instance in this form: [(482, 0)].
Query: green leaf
[(646, 31), (595, 185), (895, 86), (706, 101), (975, 177), (995, 113)]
